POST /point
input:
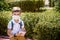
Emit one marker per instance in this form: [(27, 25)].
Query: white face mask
[(15, 17)]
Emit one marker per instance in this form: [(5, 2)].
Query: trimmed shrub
[(39, 26), (57, 5), (4, 5), (42, 26), (3, 26), (51, 3), (3, 22), (28, 5)]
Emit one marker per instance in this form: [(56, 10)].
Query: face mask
[(15, 17)]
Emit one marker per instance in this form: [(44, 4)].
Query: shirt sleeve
[(9, 25)]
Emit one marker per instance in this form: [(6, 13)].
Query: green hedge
[(57, 5), (3, 22), (39, 26), (28, 5), (25, 5), (51, 3), (42, 26), (4, 5)]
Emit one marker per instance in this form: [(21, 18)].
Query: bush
[(4, 5), (3, 22), (30, 23), (28, 5), (57, 2), (39, 26), (51, 3), (42, 26), (3, 26)]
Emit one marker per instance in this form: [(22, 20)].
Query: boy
[(16, 30)]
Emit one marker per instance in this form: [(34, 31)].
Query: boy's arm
[(9, 33), (23, 28), (9, 30)]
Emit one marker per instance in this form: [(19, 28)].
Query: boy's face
[(16, 15)]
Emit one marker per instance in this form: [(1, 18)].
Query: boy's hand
[(11, 36), (9, 33), (19, 34)]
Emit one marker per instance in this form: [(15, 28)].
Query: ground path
[(7, 38)]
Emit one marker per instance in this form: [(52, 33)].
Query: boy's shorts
[(18, 38)]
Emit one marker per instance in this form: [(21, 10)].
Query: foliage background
[(39, 26), (43, 25)]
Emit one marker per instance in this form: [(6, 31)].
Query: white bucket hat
[(16, 8)]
